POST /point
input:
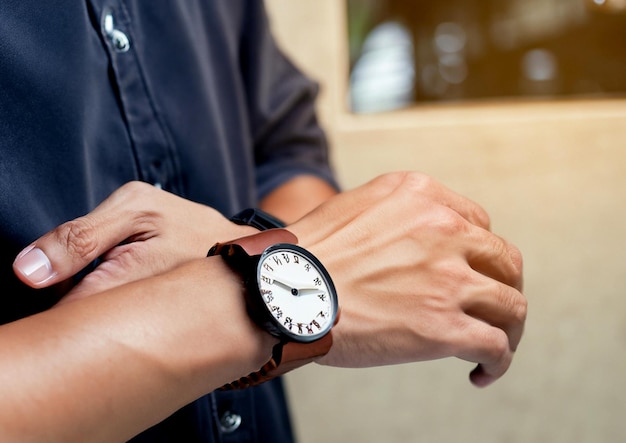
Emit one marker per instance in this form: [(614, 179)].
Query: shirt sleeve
[(287, 138)]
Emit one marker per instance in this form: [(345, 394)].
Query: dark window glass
[(408, 51)]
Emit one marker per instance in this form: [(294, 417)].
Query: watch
[(288, 293)]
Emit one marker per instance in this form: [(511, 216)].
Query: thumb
[(65, 251), (70, 247)]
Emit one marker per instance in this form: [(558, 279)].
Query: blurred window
[(414, 51)]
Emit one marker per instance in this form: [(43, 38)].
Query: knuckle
[(480, 216), (449, 223), (511, 302), (134, 189), (509, 258), (515, 304), (497, 345), (418, 182), (521, 308), (412, 181), (500, 249), (79, 237), (516, 258), (389, 181), (139, 202), (516, 265)]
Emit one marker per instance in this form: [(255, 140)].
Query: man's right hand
[(419, 276)]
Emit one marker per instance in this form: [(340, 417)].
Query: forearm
[(104, 368), (297, 197)]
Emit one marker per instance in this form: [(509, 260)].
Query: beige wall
[(553, 177)]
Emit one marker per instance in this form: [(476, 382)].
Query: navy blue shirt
[(192, 96)]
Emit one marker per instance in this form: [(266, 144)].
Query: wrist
[(245, 345), (217, 341)]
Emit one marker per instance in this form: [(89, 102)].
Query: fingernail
[(33, 264)]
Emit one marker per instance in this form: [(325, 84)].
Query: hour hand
[(283, 284)]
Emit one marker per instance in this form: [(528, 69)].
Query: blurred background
[(407, 51), (520, 105)]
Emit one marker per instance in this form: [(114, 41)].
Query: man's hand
[(419, 276), (139, 231), (418, 272)]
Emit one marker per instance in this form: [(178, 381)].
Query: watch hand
[(280, 283), (286, 283), (294, 287), (311, 292)]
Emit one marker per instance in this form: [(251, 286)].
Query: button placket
[(153, 152)]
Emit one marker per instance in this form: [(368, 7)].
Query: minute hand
[(317, 291)]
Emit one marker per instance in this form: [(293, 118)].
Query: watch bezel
[(276, 327)]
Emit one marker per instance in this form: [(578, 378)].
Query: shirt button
[(230, 422), (119, 40)]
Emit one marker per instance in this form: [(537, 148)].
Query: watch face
[(297, 292)]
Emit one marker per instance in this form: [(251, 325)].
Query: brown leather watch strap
[(257, 243), (285, 357)]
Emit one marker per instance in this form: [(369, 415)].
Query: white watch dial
[(297, 292)]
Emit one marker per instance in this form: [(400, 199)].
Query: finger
[(64, 251), (493, 256), (489, 347), (498, 305), (481, 378)]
